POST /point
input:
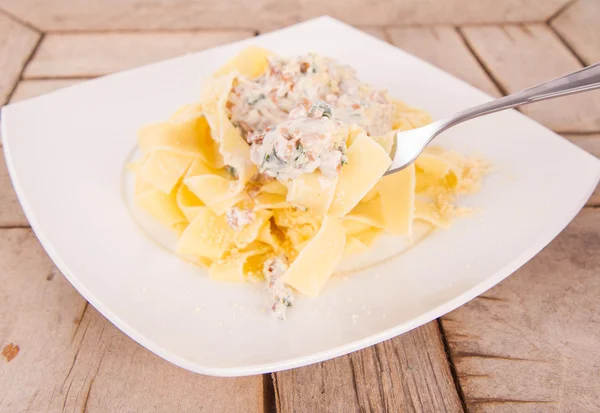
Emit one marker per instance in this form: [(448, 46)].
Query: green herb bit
[(301, 155), (260, 97), (231, 170), (323, 107)]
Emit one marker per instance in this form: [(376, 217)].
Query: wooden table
[(530, 344)]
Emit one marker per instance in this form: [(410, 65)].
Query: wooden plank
[(11, 213), (591, 144), (579, 26), (72, 359), (95, 54), (530, 344), (75, 15), (31, 88), (522, 56), (409, 373), (17, 42), (444, 47)]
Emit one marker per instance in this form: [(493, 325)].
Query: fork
[(410, 144)]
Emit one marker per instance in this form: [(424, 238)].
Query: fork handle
[(587, 78)]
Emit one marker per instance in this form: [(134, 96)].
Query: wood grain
[(75, 15), (579, 26), (522, 56), (31, 88), (530, 344), (72, 359), (591, 144), (89, 55), (409, 373), (11, 213), (444, 47), (17, 42)]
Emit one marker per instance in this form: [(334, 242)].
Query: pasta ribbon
[(397, 192), (208, 236), (314, 191), (233, 267), (162, 207), (367, 162), (315, 263), (163, 169)]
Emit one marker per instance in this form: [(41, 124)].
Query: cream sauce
[(301, 144), (255, 105)]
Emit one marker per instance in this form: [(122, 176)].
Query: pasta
[(276, 174)]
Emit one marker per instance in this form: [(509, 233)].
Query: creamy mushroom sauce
[(296, 114)]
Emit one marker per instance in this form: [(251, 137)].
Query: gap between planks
[(578, 26), (16, 48), (567, 45), (269, 399), (482, 63), (27, 61), (453, 371), (560, 11), (22, 22)]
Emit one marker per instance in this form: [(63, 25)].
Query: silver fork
[(410, 144)]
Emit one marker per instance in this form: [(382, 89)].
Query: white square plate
[(66, 151)]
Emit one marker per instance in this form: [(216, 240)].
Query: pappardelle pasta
[(276, 174)]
